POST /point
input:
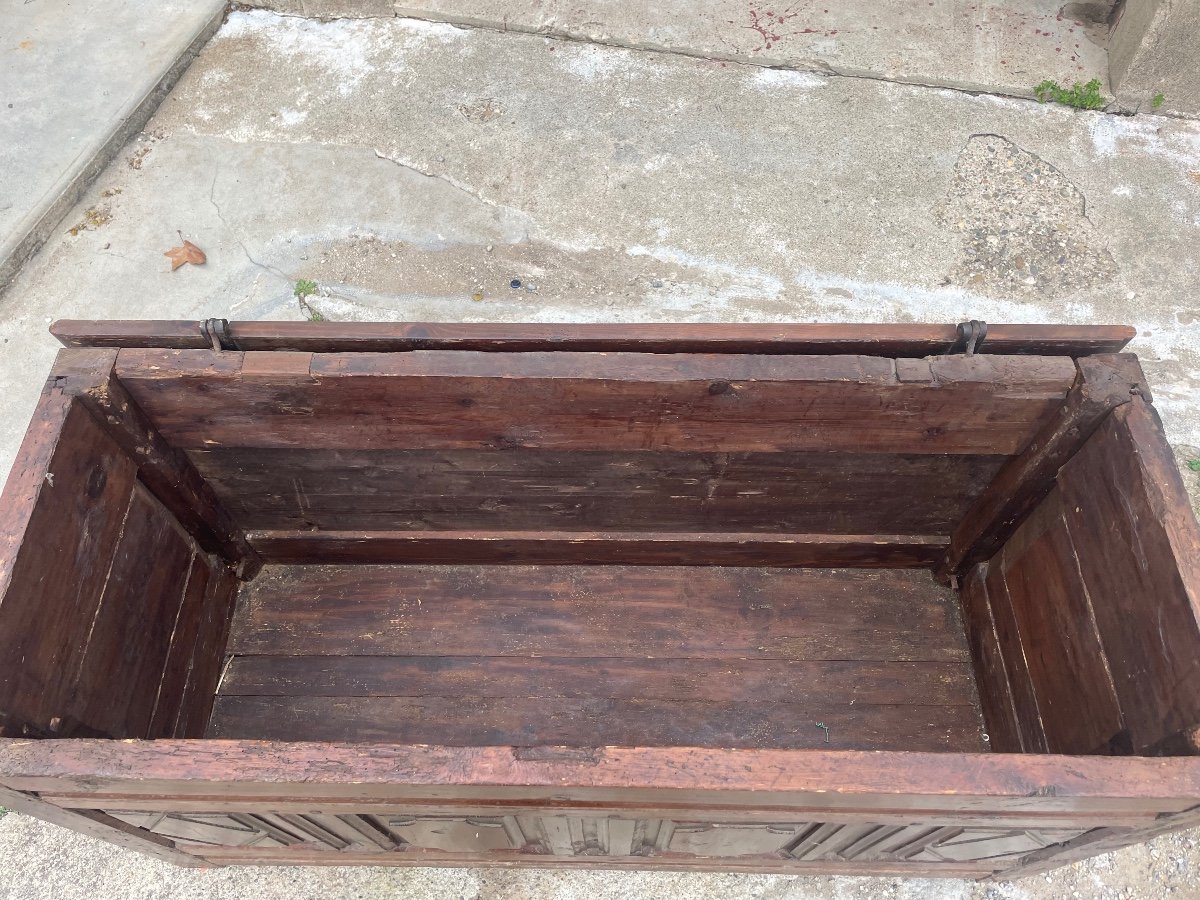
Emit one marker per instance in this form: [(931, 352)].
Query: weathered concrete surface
[(1155, 49), (1001, 46), (39, 861), (75, 84), (408, 167)]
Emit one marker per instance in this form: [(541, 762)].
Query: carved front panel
[(579, 836)]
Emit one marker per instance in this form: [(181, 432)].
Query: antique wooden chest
[(856, 599)]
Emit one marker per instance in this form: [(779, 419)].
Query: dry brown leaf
[(187, 253), (1195, 176)]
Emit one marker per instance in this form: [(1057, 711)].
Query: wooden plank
[(111, 333), (340, 337), (125, 806), (170, 475), (464, 490), (102, 826), (1102, 384), (991, 676), (208, 655), (1094, 842), (1057, 631), (1016, 664), (1138, 547), (61, 514), (582, 401), (538, 721), (922, 783), (1181, 743), (661, 611), (889, 551), (850, 682), (182, 644), (128, 638), (516, 859)]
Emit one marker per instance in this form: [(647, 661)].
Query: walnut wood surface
[(339, 337)]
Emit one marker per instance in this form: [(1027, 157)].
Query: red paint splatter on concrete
[(769, 24)]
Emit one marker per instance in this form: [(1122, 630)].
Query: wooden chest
[(852, 599)]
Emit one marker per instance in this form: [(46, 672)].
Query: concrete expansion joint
[(811, 67)]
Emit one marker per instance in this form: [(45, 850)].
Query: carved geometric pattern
[(598, 836)]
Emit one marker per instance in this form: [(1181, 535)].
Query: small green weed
[(303, 290), (1158, 101), (1085, 96), (1194, 465)]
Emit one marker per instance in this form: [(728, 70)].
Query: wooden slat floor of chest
[(600, 655)]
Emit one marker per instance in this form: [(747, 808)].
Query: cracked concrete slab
[(1001, 46), (76, 85), (384, 157)]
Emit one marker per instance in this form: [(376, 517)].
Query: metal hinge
[(217, 332), (970, 337)]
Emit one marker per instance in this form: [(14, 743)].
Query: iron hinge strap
[(970, 337), (217, 333)]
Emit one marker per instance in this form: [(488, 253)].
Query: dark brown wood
[(991, 675), (1182, 743), (580, 401), (452, 860), (100, 825), (1030, 785), (181, 648), (540, 721), (130, 634), (61, 515), (1138, 547), (113, 333), (645, 645), (508, 839), (639, 656), (889, 551), (1057, 633), (1102, 384), (208, 655), (465, 490), (982, 816), (1095, 842), (88, 375), (849, 682), (340, 337), (1012, 652), (590, 611)]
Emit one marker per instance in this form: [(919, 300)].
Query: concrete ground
[(72, 94), (413, 169), (998, 46)]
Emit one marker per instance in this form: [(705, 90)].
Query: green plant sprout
[(1085, 96)]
